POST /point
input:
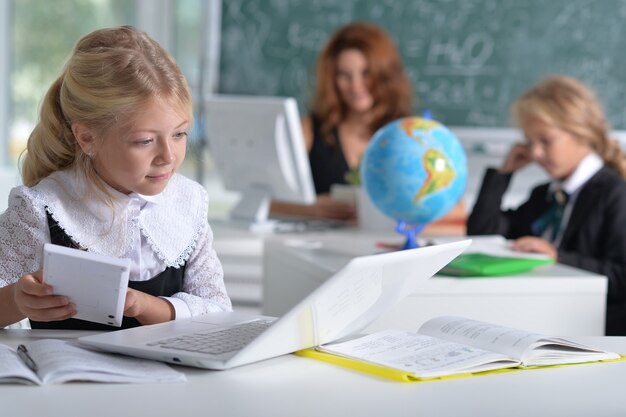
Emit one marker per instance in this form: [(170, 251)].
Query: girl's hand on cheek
[(535, 244), (518, 157), (36, 301)]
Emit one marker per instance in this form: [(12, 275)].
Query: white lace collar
[(171, 221)]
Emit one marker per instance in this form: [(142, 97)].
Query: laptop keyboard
[(216, 342)]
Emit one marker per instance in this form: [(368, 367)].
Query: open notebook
[(358, 294)]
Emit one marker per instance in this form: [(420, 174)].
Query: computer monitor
[(258, 147)]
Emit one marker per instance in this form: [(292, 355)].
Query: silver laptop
[(351, 299)]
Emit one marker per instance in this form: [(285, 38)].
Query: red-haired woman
[(361, 86)]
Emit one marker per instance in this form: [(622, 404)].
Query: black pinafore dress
[(165, 284)]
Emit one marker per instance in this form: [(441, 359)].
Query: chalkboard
[(467, 59)]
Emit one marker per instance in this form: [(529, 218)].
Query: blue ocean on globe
[(414, 170)]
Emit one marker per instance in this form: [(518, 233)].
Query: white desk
[(556, 299), (241, 255), (295, 386)]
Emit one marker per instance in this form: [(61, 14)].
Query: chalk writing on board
[(467, 59)]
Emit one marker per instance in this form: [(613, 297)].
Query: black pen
[(22, 352)]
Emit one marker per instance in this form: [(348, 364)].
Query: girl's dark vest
[(165, 284)]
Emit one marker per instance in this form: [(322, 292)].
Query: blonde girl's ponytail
[(51, 145), (613, 156)]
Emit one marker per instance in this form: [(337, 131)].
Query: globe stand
[(410, 231)]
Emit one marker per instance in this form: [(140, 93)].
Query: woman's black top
[(328, 164)]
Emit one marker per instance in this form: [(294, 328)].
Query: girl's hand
[(519, 156), (135, 303), (36, 301), (146, 308), (535, 244)]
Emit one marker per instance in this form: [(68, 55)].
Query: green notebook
[(483, 265)]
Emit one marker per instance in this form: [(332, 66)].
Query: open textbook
[(51, 361), (447, 346)]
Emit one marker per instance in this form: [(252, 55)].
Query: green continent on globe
[(439, 173)]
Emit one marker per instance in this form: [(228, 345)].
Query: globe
[(414, 170)]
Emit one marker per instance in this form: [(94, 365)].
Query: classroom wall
[(468, 60)]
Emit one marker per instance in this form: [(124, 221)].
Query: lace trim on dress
[(171, 227), (184, 218), (22, 233)]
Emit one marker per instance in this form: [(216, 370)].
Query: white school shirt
[(587, 168), (170, 229)]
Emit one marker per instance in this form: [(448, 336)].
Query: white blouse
[(156, 232)]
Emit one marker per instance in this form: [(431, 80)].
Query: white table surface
[(296, 386), (553, 299)]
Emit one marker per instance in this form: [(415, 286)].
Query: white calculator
[(95, 283)]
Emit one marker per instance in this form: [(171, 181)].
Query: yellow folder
[(403, 376)]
